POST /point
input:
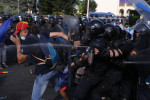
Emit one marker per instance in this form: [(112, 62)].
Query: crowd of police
[(98, 55)]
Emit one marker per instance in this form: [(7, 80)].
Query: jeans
[(41, 83)]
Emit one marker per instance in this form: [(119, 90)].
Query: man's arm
[(21, 58), (122, 50), (117, 53), (58, 34), (110, 53)]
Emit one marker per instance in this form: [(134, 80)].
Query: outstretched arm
[(58, 34), (110, 53)]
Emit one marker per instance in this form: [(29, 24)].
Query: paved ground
[(18, 85)]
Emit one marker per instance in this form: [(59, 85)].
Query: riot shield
[(73, 27), (143, 45)]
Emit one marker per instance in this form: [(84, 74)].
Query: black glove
[(77, 62)]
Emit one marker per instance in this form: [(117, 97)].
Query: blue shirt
[(30, 46)]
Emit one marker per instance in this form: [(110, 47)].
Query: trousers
[(41, 82)]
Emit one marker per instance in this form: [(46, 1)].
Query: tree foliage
[(7, 6), (12, 6), (27, 4), (83, 6), (50, 6), (47, 6)]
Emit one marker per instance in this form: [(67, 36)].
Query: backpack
[(48, 50)]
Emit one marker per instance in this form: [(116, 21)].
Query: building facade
[(117, 7)]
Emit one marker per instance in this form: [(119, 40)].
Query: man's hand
[(15, 39), (77, 44), (133, 53), (58, 34), (96, 51)]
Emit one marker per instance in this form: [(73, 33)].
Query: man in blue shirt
[(31, 46), (129, 30)]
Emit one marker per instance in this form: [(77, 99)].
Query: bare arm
[(58, 34), (20, 57), (116, 54)]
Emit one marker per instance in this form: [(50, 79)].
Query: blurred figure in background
[(119, 24), (2, 51), (129, 30)]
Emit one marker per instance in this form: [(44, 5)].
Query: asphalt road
[(18, 84)]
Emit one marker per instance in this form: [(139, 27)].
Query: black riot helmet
[(59, 19), (95, 28), (51, 19), (40, 24), (110, 32), (41, 21), (29, 18)]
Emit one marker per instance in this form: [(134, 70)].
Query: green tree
[(50, 6), (46, 6), (9, 8), (26, 4), (83, 6), (12, 6), (2, 8)]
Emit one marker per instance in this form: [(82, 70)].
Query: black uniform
[(94, 73)]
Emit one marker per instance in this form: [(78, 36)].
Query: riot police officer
[(96, 72), (141, 53)]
